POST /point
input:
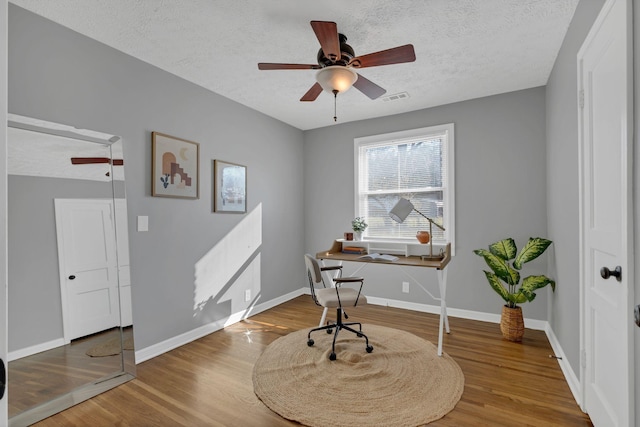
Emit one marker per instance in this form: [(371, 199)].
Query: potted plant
[(359, 225), (503, 259)]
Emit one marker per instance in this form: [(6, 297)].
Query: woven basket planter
[(512, 323)]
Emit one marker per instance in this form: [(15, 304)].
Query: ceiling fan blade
[(327, 34), (276, 66), (94, 160), (396, 55), (369, 88), (312, 93), (88, 160)]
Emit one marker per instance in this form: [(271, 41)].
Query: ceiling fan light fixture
[(336, 78)]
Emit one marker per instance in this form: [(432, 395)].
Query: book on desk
[(379, 257), (354, 250)]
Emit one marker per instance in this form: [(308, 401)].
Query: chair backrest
[(314, 275), (313, 268)]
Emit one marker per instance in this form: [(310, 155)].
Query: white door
[(88, 266), (604, 74)]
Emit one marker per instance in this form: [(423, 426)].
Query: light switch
[(143, 223)]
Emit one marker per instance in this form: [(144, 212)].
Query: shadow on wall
[(230, 271)]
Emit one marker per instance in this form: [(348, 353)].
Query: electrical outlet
[(247, 295), (405, 287)]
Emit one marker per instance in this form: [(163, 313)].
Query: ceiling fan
[(336, 61)]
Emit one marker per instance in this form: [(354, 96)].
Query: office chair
[(335, 297)]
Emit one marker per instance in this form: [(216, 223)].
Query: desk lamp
[(401, 211)]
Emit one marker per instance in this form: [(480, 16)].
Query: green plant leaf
[(499, 267), (519, 298), (505, 249), (532, 283), (497, 286), (532, 250)]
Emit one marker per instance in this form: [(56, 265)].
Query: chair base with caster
[(338, 326)]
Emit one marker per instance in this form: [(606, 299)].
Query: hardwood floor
[(38, 378), (208, 382)]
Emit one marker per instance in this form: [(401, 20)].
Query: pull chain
[(335, 99)]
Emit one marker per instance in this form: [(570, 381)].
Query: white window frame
[(446, 130)]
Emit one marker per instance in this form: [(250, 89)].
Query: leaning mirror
[(69, 291)]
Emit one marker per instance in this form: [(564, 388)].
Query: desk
[(335, 253)]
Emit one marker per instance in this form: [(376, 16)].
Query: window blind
[(415, 168)]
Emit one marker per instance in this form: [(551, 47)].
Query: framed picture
[(175, 167), (230, 187)]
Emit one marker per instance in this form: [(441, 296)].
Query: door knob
[(72, 277), (606, 273), (3, 378)]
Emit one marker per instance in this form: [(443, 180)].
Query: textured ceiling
[(465, 49)]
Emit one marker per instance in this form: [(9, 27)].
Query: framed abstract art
[(175, 167)]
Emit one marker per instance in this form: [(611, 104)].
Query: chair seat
[(329, 298)]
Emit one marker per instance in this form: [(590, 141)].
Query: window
[(416, 165)]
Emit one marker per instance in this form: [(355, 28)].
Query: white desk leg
[(324, 316), (446, 316), (444, 320)]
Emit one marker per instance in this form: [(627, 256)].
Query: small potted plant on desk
[(359, 225), (505, 279)]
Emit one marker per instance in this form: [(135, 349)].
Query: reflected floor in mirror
[(38, 378)]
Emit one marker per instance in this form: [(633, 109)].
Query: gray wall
[(58, 75), (35, 313), (562, 185), (500, 178)]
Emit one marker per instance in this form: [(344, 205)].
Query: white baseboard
[(569, 375), (28, 351), (539, 325), (185, 338)]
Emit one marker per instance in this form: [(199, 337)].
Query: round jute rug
[(110, 347), (402, 382)]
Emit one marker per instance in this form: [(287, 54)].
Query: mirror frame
[(127, 372)]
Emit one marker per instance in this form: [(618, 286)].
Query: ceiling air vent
[(396, 96)]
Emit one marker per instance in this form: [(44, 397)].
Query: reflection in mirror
[(69, 289)]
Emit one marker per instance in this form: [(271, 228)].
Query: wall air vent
[(396, 96)]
